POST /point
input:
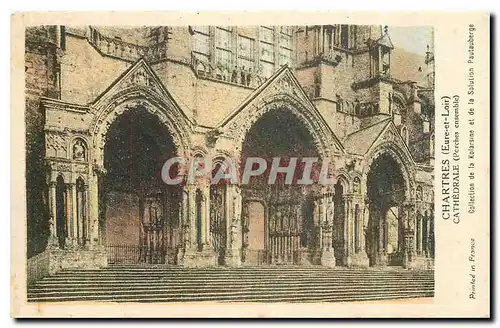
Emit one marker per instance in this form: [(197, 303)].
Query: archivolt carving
[(198, 151), (392, 148), (399, 98), (285, 85), (140, 77), (238, 128), (128, 99)]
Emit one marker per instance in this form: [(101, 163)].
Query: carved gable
[(138, 86), (390, 134), (138, 76), (282, 90)]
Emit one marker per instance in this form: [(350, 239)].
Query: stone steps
[(262, 284)]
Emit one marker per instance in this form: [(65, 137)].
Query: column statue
[(53, 242), (232, 255), (326, 222)]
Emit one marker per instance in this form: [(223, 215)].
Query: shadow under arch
[(279, 222), (168, 114), (139, 213), (387, 194)]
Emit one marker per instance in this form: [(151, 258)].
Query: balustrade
[(236, 75), (118, 48)]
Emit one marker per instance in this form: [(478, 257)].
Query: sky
[(411, 38)]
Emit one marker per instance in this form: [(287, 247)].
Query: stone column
[(91, 214), (53, 241), (352, 249), (427, 250), (412, 220), (206, 217), (184, 225), (193, 256), (70, 224), (93, 207), (86, 217), (191, 215), (317, 218), (203, 216), (409, 236), (381, 242), (359, 226), (419, 234), (365, 226), (348, 235), (233, 206), (326, 230), (77, 224), (346, 231), (360, 258)]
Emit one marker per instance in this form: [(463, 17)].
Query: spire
[(385, 39)]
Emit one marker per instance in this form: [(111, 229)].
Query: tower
[(42, 50)]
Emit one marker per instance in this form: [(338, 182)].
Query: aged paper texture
[(250, 165)]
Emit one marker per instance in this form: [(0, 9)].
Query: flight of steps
[(262, 284)]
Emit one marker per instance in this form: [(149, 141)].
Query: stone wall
[(81, 63), (41, 76)]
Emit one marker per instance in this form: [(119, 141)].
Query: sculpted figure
[(79, 151), (330, 212), (237, 204)]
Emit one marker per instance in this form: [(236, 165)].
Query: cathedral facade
[(106, 107)]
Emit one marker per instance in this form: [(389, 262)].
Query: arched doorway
[(278, 221), (139, 214), (386, 193)]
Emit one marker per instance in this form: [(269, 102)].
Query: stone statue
[(234, 236), (419, 194), (330, 212), (355, 185), (237, 199), (79, 151), (366, 216), (153, 213)]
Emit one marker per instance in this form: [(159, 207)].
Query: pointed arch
[(281, 92), (138, 87), (402, 160), (344, 180)]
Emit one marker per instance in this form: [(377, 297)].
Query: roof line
[(369, 126), (118, 79), (250, 97), (155, 76)]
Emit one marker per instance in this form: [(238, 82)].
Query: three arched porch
[(234, 224)]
